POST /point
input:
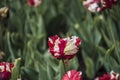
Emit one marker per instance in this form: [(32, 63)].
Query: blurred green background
[(25, 33)]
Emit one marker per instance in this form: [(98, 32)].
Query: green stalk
[(64, 65)]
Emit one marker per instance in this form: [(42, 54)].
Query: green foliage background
[(24, 35)]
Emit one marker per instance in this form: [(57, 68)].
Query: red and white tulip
[(5, 70), (110, 76), (34, 3), (72, 75), (98, 5), (64, 48)]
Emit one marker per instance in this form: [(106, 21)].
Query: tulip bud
[(4, 12)]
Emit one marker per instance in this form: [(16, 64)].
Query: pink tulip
[(72, 75)]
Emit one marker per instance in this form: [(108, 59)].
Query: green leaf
[(109, 51), (50, 72), (29, 74), (89, 67), (97, 37)]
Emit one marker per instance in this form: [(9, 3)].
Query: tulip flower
[(63, 48), (5, 70), (34, 3), (98, 5), (110, 76), (72, 75)]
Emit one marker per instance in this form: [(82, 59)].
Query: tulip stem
[(64, 65)]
